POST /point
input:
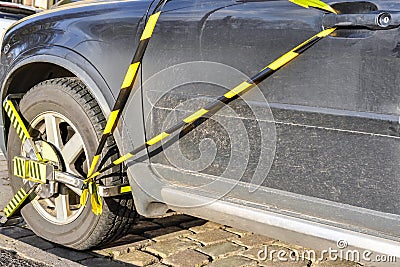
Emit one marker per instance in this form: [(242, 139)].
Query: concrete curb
[(33, 253)]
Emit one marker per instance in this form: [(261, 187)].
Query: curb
[(33, 253)]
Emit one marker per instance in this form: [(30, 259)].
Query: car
[(308, 156)]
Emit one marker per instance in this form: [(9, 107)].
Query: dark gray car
[(310, 154)]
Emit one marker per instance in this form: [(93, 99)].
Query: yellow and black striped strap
[(19, 199), (227, 97), (314, 3), (127, 84), (17, 122)]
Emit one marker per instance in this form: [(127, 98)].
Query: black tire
[(70, 97)]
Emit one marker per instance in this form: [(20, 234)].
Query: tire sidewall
[(53, 97)]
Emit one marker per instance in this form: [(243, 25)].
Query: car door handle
[(377, 20)]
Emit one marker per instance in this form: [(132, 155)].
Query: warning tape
[(315, 4), (222, 100), (127, 85), (18, 124), (22, 168), (18, 200)]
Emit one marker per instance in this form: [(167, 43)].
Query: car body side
[(76, 41)]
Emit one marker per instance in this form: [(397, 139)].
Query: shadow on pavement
[(126, 251)]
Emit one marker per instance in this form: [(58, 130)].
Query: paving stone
[(337, 263), (237, 261), (37, 242), (143, 226), (267, 252), (157, 265), (142, 244), (253, 240), (187, 225), (185, 258), (70, 254), (221, 249), (173, 220), (253, 253), (171, 246), (101, 262), (4, 174), (173, 235), (115, 251), (276, 256), (161, 231), (15, 221), (5, 181), (15, 232), (102, 252), (285, 264), (211, 237), (237, 231), (206, 227), (138, 258), (302, 252), (289, 245), (127, 239)]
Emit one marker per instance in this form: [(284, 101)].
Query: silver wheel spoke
[(72, 149), (53, 130), (75, 190), (49, 203), (62, 205), (65, 207)]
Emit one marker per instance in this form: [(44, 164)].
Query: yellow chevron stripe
[(111, 121), (130, 75), (326, 32), (122, 158), (195, 115), (19, 120), (151, 24), (314, 3), (125, 189), (94, 163), (14, 204), (20, 194), (238, 89), (14, 201), (157, 139), (321, 34), (282, 60)]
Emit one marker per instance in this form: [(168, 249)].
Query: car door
[(334, 139)]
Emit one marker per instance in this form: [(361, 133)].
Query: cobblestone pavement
[(172, 240)]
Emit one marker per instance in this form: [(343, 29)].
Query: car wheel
[(62, 112)]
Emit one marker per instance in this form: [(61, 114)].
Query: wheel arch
[(40, 67)]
